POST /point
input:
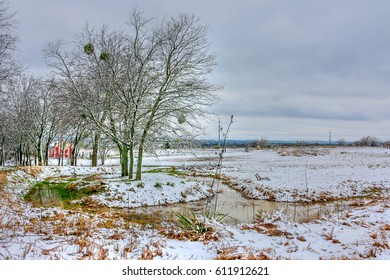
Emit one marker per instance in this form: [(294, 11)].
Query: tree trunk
[(2, 157), (139, 163), (124, 154), (95, 149), (103, 154), (73, 156), (59, 154), (131, 165), (76, 156), (140, 155), (27, 157), (142, 143), (20, 155), (62, 154), (39, 154), (46, 157)]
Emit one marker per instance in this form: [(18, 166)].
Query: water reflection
[(238, 208), (47, 197), (243, 210)]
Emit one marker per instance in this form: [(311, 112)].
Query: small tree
[(341, 142), (368, 141), (8, 42), (259, 144)]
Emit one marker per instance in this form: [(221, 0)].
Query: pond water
[(47, 197), (228, 201), (242, 210)]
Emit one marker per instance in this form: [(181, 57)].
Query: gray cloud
[(301, 60)]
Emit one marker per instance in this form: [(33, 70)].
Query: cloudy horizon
[(290, 70)]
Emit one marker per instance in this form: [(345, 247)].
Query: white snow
[(360, 232), (333, 172)]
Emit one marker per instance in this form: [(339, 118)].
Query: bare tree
[(8, 42), (5, 130), (341, 142), (32, 114), (72, 73), (181, 92), (141, 86), (16, 91), (370, 141), (42, 119), (92, 75)]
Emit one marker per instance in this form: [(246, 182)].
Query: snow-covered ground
[(288, 174), (296, 173)]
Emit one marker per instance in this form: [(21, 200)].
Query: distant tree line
[(131, 89), (368, 141)]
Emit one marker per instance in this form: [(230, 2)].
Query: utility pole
[(219, 131), (330, 137)]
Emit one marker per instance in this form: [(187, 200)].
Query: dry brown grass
[(91, 203), (3, 176), (380, 243), (269, 229), (3, 179), (277, 232), (301, 238), (151, 251), (330, 237), (339, 258), (268, 225), (190, 235), (231, 253), (117, 236), (32, 170), (301, 151), (385, 227), (129, 247), (255, 227)]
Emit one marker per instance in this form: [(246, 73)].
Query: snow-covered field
[(297, 173), (360, 175)]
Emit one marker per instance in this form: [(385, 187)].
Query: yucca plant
[(216, 216), (192, 222), (199, 223), (261, 216)]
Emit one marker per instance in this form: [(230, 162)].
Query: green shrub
[(171, 184)]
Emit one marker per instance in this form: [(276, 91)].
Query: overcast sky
[(290, 69)]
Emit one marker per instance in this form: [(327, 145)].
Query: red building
[(56, 152)]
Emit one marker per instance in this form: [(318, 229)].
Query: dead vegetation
[(269, 229), (301, 151), (3, 179), (239, 253), (174, 232), (330, 236), (380, 242), (34, 171), (92, 232), (151, 250)]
